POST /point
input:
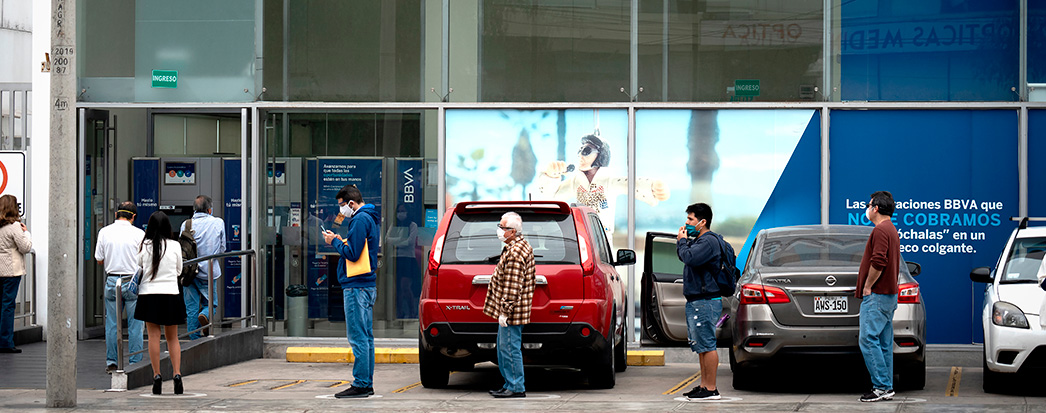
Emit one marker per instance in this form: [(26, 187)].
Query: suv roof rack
[(1024, 221)]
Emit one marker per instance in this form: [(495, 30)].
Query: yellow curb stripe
[(242, 383), (338, 383), (344, 355), (646, 358), (683, 384), (953, 382), (295, 383)]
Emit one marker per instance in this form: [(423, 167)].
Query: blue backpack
[(728, 273)]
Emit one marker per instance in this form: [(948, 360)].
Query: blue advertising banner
[(953, 176), (145, 188), (402, 238), (326, 176), (232, 270), (1036, 163)]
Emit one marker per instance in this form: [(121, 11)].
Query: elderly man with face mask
[(509, 296)]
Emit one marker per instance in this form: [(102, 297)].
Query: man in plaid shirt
[(509, 297)]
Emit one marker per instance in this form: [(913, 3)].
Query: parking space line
[(411, 386), (337, 383), (243, 383), (294, 383), (683, 384), (953, 382)]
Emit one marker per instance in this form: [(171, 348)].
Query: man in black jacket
[(698, 249)]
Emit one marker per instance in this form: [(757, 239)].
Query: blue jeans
[(7, 310), (701, 317), (196, 303), (359, 329), (134, 326), (876, 337), (510, 357)]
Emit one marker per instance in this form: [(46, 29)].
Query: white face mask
[(501, 235), (401, 216), (868, 213), (346, 210)]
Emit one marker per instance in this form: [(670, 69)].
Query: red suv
[(578, 313)]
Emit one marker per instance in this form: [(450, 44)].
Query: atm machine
[(171, 185)]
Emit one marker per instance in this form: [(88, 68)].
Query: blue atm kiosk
[(171, 185)]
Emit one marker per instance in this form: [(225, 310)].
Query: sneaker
[(693, 391), (10, 350), (877, 395), (110, 369), (355, 392), (703, 394)]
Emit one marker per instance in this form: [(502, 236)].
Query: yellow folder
[(360, 266)]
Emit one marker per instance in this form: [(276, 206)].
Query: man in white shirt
[(117, 252)]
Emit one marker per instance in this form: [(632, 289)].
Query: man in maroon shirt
[(877, 289)]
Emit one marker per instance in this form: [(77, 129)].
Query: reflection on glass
[(548, 51), (699, 50), (953, 50)]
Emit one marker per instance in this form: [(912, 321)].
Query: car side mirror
[(981, 275), (625, 257), (914, 268)]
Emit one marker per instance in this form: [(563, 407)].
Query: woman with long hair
[(15, 242), (160, 303)]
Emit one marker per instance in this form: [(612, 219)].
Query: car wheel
[(434, 372), (913, 376), (601, 373), (742, 375), (994, 382)]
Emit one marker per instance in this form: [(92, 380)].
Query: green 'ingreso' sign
[(746, 87), (165, 78)]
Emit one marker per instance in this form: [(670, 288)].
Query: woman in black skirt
[(160, 303)]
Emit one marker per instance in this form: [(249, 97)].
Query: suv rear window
[(1025, 258), (472, 238), (813, 251)]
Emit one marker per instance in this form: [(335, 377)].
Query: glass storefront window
[(1036, 42), (310, 157), (716, 51), (524, 51), (209, 44), (901, 50), (344, 51)]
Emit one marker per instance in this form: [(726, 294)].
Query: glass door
[(97, 172)]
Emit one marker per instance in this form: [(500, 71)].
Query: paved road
[(276, 385)]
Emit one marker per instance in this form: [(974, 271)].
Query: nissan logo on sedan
[(830, 280)]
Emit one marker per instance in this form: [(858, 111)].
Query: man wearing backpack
[(699, 250), (209, 233)]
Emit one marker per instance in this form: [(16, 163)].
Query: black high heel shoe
[(178, 384), (157, 384)]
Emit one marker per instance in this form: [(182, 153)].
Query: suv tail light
[(588, 265), (908, 293), (762, 294), (437, 253)]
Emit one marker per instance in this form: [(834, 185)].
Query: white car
[(1014, 334)]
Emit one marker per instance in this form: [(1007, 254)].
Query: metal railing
[(27, 304), (249, 284)]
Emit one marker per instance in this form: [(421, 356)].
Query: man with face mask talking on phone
[(698, 248), (509, 297)]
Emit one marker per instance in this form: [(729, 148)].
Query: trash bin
[(297, 310)]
